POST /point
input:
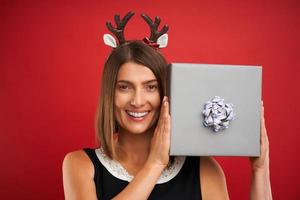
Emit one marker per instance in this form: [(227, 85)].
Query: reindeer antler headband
[(158, 39)]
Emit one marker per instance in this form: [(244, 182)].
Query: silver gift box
[(191, 86)]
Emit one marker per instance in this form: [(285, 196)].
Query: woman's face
[(137, 99)]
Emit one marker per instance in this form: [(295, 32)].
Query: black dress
[(184, 185)]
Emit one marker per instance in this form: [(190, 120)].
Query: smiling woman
[(130, 76), (137, 99), (134, 128)]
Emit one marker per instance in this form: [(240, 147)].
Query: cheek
[(155, 103), (120, 100), (119, 104), (156, 100), (117, 101)]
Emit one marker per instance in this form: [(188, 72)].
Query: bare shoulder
[(78, 174), (212, 178), (79, 161)]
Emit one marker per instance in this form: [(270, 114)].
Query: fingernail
[(165, 103)]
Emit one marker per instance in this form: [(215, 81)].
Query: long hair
[(133, 51)]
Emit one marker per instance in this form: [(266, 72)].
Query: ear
[(163, 40), (109, 40)]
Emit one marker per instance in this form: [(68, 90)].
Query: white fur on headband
[(109, 40), (163, 40)]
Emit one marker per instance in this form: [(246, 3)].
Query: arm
[(78, 171), (78, 174), (213, 182), (260, 181), (260, 185), (143, 183)]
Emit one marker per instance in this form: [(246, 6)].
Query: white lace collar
[(118, 171)]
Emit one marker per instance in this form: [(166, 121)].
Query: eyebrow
[(129, 82)]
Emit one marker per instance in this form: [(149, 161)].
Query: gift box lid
[(203, 100)]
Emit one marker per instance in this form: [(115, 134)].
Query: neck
[(133, 148)]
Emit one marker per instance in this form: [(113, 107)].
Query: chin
[(137, 130)]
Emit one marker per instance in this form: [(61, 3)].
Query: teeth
[(137, 114)]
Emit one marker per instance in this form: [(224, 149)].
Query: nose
[(138, 98)]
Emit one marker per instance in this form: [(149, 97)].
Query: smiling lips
[(137, 116)]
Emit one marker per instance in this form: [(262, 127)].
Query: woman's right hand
[(160, 143), (144, 181)]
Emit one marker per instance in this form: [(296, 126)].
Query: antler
[(155, 34), (119, 30)]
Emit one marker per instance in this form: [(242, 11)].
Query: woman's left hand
[(262, 162)]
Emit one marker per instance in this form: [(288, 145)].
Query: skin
[(260, 183), (136, 91), (143, 149)]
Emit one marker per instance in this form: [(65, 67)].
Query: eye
[(152, 87), (123, 87)]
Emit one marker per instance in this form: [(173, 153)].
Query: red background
[(51, 60)]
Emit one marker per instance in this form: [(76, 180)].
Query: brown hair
[(132, 51)]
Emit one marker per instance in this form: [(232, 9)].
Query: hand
[(160, 142), (262, 162)]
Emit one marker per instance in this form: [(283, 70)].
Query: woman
[(133, 126)]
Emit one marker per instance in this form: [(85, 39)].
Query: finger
[(164, 135), (163, 105), (161, 112), (262, 110), (165, 116), (163, 128), (167, 133), (168, 127), (159, 125), (263, 126), (262, 114), (167, 107), (168, 118), (264, 132), (164, 125), (264, 137)]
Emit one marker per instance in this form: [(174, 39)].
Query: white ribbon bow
[(217, 114)]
